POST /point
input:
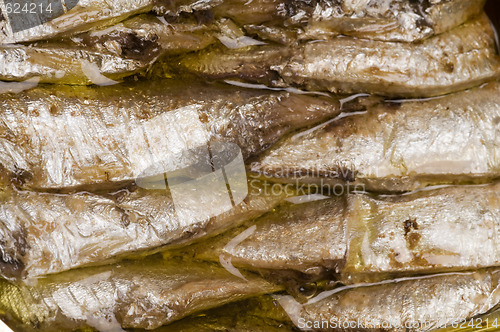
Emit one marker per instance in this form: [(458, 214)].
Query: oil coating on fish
[(456, 60), (140, 294), (369, 238), (115, 52), (415, 304), (388, 20), (396, 146), (59, 137), (78, 16), (46, 233)]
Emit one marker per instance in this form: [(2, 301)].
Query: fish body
[(147, 36), (397, 146), (112, 53), (306, 237), (77, 16), (386, 20), (56, 20), (415, 304), (137, 294), (389, 20), (364, 237), (45, 233), (251, 64), (461, 58), (66, 137)]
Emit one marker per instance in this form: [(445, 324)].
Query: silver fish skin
[(122, 50), (138, 294), (461, 58), (44, 233), (306, 237), (413, 304), (85, 15), (448, 229), (386, 20), (68, 137), (397, 146)]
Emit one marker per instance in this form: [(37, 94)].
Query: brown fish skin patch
[(137, 48), (412, 238), (11, 264), (409, 224), (11, 268), (132, 46), (21, 176)]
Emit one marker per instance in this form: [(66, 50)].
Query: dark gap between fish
[(493, 10)]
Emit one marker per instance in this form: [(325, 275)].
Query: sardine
[(366, 238), (448, 229), (146, 37), (58, 18), (415, 304), (138, 294), (397, 146), (111, 54), (387, 20), (45, 233), (305, 237), (461, 58), (81, 137), (252, 64), (456, 60)]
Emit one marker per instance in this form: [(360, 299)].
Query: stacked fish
[(235, 165)]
